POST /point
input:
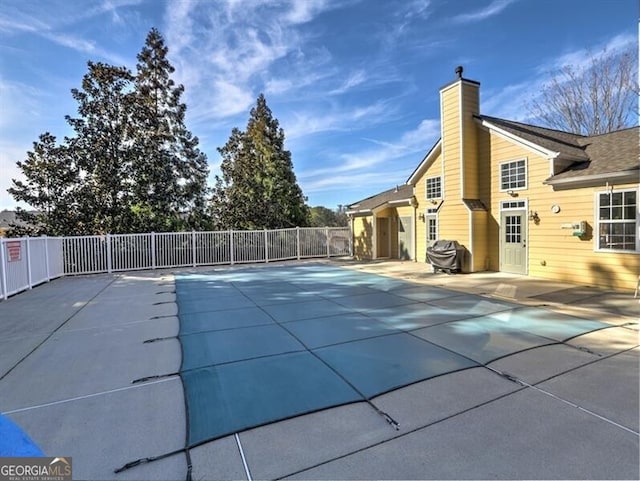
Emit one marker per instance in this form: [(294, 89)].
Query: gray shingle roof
[(554, 140), (399, 193), (7, 217), (607, 153), (596, 155)]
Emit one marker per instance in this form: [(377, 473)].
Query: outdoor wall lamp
[(533, 215), (511, 193), (421, 216)]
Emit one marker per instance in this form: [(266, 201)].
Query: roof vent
[(459, 70)]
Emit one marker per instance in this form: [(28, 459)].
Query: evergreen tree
[(132, 165), (169, 171), (323, 217), (258, 188), (102, 148), (50, 177)]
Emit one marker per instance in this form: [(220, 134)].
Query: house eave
[(593, 180), (392, 203), (426, 162), (354, 213), (535, 148)]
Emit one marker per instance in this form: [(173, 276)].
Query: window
[(513, 229), (513, 175), (434, 188), (432, 228), (514, 204), (618, 220)]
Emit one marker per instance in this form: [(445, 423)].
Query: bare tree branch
[(597, 98)]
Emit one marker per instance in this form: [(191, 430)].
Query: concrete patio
[(70, 349)]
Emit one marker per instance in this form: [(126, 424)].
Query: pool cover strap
[(151, 459)]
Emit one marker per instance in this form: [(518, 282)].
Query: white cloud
[(512, 100), (355, 78), (311, 122), (229, 99), (581, 58), (10, 153), (373, 180), (233, 49), (20, 103), (494, 8), (389, 163), (415, 8), (302, 11)]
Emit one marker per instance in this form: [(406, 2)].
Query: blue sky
[(354, 83)]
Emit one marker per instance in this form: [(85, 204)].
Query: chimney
[(459, 102)]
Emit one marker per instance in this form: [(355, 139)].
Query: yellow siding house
[(520, 199)]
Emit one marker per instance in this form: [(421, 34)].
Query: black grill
[(446, 255)]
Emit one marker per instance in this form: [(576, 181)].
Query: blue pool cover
[(265, 344)]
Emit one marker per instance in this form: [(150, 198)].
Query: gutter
[(630, 175)]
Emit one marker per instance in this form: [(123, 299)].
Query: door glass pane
[(432, 229), (513, 232)]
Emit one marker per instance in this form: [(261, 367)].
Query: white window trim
[(435, 216), (523, 204), (526, 174), (426, 191), (596, 218), (523, 207)]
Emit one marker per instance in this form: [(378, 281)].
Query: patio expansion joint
[(115, 277), (535, 387), (86, 396), (511, 378), (402, 434)]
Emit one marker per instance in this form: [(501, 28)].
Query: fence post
[(28, 253), (3, 268), (46, 256), (266, 246), (109, 260), (351, 238), (298, 242), (231, 247), (153, 250), (193, 245), (326, 236)]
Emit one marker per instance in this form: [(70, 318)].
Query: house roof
[(563, 143), (426, 162), (10, 217), (612, 153), (7, 218), (615, 156), (398, 194)]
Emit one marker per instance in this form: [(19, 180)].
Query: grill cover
[(446, 255)]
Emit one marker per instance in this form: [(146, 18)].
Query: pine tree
[(169, 172), (50, 177), (102, 148), (258, 188)]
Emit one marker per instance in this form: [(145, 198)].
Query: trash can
[(446, 255)]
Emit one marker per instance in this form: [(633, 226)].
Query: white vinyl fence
[(29, 261)]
